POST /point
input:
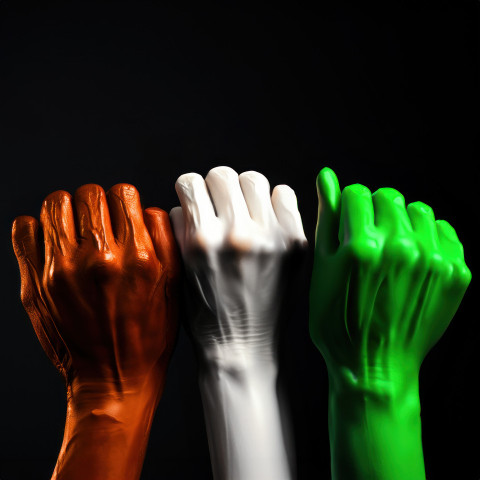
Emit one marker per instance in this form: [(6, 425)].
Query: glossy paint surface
[(387, 280), (237, 242), (101, 293)]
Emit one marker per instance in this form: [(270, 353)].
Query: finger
[(126, 212), (390, 212), (157, 222), (58, 224), (256, 192), (196, 204), (28, 252), (178, 222), (422, 219), (227, 196), (451, 246), (285, 204), (448, 239), (328, 218), (93, 217), (356, 216)]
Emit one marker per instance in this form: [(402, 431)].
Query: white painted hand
[(238, 246)]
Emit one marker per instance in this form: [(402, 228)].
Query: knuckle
[(102, 265), (89, 191), (202, 240), (147, 267), (284, 190), (284, 195), (298, 244), (125, 191), (24, 223), (238, 241), (447, 230), (141, 262), (402, 250), (157, 212), (59, 197), (362, 250), (421, 208), (57, 276), (391, 194), (438, 265), (222, 172), (463, 274), (188, 180), (145, 258), (24, 229), (356, 189), (200, 243), (255, 178)]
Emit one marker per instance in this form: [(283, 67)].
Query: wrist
[(237, 363), (382, 385), (106, 430), (110, 406), (375, 426)]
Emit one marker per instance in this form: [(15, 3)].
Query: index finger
[(356, 212)]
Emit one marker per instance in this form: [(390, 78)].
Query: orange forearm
[(106, 432)]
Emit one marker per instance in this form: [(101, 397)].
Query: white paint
[(235, 241)]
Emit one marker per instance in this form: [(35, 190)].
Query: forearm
[(375, 435), (106, 434), (246, 428)]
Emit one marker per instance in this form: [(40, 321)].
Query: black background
[(141, 92)]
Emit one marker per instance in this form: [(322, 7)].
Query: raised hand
[(238, 243), (103, 302), (386, 283)]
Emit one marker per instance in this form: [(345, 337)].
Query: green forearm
[(375, 437), (387, 280)]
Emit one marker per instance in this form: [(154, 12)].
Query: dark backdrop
[(139, 92)]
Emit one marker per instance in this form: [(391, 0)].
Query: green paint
[(386, 283)]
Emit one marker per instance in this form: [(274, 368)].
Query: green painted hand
[(386, 283)]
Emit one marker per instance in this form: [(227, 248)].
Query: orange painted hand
[(103, 302)]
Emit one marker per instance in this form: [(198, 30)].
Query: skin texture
[(387, 280), (238, 244), (102, 297)]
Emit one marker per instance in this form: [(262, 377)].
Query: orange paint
[(103, 302)]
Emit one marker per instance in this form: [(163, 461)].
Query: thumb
[(328, 190), (27, 250)]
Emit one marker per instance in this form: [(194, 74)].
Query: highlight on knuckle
[(243, 242), (53, 201), (403, 250), (102, 266), (438, 265), (56, 277), (364, 251), (199, 241)]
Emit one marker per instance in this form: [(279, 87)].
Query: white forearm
[(246, 429), (236, 240)]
